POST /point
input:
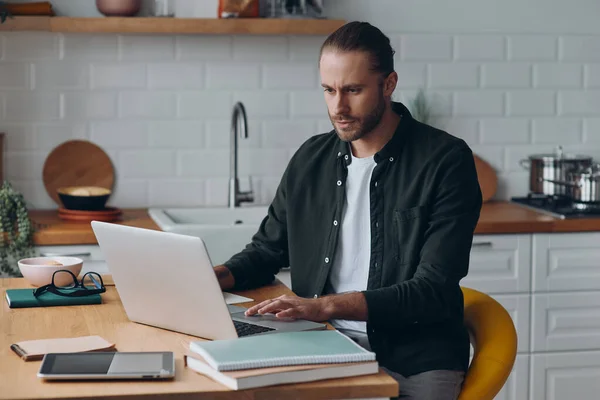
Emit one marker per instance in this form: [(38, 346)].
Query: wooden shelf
[(242, 26)]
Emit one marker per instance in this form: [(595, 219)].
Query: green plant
[(4, 13), (16, 230), (421, 108)]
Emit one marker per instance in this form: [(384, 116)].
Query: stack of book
[(280, 358)]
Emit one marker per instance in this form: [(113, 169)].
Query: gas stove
[(558, 206)]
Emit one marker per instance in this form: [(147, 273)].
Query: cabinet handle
[(66, 254), (482, 244)]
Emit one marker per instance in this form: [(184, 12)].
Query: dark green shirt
[(425, 202)]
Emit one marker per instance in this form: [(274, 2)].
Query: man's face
[(354, 94)]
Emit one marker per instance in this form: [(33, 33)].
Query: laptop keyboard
[(245, 329)]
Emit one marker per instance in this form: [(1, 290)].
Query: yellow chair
[(494, 340)]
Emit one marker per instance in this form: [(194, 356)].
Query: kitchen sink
[(225, 231)]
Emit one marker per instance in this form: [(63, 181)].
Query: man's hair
[(362, 36)]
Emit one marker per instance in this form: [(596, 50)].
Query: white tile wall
[(161, 105)]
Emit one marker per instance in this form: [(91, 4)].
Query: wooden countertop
[(108, 320), (496, 218), (51, 230), (504, 217)]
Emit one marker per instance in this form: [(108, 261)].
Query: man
[(376, 221)]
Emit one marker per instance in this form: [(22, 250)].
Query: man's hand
[(293, 307), (352, 306)]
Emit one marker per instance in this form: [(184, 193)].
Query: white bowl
[(38, 270)]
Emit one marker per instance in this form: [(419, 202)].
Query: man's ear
[(389, 84)]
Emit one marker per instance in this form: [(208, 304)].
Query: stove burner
[(581, 205), (559, 206)]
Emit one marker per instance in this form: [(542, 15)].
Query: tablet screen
[(106, 363)]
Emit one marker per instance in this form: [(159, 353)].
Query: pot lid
[(559, 154)]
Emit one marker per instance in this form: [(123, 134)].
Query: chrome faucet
[(235, 196)]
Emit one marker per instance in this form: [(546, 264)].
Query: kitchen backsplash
[(161, 105)]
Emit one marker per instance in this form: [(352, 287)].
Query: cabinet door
[(566, 261), (93, 259), (570, 376), (566, 321), (499, 264), (518, 306), (517, 385)]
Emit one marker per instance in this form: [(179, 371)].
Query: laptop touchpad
[(235, 309)]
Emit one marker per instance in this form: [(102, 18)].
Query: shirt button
[(376, 224), (339, 183), (339, 154), (346, 157), (391, 159), (315, 296), (335, 222), (326, 260), (376, 264), (375, 184)]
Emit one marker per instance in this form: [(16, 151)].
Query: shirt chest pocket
[(408, 233)]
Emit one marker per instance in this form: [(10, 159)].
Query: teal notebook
[(281, 349), (22, 298)]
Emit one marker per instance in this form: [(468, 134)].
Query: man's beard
[(359, 128)]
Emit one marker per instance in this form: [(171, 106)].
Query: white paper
[(231, 298)]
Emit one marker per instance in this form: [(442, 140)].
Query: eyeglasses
[(91, 283)]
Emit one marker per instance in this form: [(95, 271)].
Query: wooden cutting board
[(488, 181), (77, 163)]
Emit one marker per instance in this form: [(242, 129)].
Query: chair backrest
[(494, 339)]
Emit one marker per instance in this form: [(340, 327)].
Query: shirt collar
[(392, 147)]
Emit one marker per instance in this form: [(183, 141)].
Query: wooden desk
[(18, 378)]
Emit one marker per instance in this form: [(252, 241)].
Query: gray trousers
[(434, 385)]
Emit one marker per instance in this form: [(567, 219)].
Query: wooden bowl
[(87, 198)]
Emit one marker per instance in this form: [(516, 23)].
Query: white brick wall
[(161, 105)]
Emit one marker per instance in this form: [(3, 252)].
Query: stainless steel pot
[(546, 169), (582, 186)]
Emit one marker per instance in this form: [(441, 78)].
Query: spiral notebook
[(281, 349)]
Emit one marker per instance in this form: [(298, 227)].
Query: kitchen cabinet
[(566, 321), (518, 306), (565, 309), (500, 264), (550, 285), (569, 375), (566, 262)]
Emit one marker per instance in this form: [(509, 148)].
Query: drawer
[(565, 321), (517, 384), (566, 261), (518, 306), (568, 376), (499, 264), (93, 259)]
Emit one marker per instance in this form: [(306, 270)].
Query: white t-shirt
[(350, 269)]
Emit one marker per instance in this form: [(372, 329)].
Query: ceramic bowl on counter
[(88, 198), (38, 270), (119, 8)]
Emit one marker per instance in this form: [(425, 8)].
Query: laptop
[(166, 280)]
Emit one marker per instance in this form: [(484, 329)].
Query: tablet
[(108, 365)]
